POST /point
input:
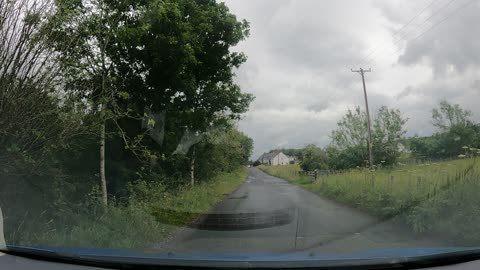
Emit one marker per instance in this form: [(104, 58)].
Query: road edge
[(180, 233)]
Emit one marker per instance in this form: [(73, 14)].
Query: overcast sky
[(300, 53)]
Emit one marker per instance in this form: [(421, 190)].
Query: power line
[(399, 30), (413, 30), (438, 23)]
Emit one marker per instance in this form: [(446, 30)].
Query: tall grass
[(149, 217), (434, 197)]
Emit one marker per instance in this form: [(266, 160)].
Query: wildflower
[(461, 156)]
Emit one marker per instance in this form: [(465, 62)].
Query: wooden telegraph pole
[(362, 72)]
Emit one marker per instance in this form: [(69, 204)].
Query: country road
[(267, 214)]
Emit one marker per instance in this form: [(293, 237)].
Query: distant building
[(274, 158), (293, 159), (403, 149)]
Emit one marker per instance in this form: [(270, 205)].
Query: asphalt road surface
[(267, 214)]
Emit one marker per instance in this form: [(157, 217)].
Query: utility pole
[(361, 71)]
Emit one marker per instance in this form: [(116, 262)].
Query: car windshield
[(231, 130)]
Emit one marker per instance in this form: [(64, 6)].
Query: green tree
[(426, 148), (190, 75), (183, 67), (351, 130), (313, 158), (293, 152), (355, 156), (449, 115), (84, 31), (349, 146), (217, 151), (388, 131), (39, 123), (455, 129), (36, 119), (134, 60)]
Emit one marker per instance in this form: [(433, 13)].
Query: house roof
[(270, 154)]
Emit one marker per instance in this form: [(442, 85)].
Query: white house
[(293, 159), (274, 158)]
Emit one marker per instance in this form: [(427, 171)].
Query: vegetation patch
[(151, 214), (113, 127), (186, 206), (431, 197)]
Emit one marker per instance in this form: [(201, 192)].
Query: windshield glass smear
[(199, 132)]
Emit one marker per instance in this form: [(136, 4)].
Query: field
[(436, 197), (149, 218)]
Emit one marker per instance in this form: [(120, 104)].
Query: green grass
[(150, 216), (437, 197), (186, 205)]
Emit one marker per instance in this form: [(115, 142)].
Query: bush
[(313, 158)]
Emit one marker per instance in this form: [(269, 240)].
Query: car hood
[(248, 260)]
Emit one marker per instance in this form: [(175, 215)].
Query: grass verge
[(431, 198), (148, 218)]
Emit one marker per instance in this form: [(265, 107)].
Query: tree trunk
[(2, 237), (192, 168), (102, 164), (103, 103)]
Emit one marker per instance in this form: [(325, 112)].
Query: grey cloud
[(293, 65), (450, 44), (329, 50), (400, 12), (417, 105), (300, 54), (272, 132), (407, 91), (316, 38), (319, 106), (476, 85)]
